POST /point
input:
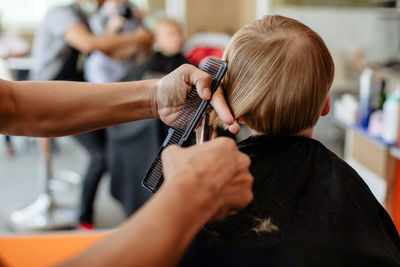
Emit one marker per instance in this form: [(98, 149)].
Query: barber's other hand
[(115, 24), (172, 91), (215, 175), (143, 37)]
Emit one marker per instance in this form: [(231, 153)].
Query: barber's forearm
[(50, 109), (126, 52), (110, 44), (79, 37), (157, 235), (168, 229)]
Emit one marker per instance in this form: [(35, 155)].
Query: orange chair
[(44, 249)]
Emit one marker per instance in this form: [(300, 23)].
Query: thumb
[(201, 80)]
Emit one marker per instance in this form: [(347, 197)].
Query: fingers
[(168, 158), (170, 151), (243, 161), (238, 193), (200, 79), (216, 173), (214, 135), (234, 127), (167, 102), (221, 107), (144, 36)]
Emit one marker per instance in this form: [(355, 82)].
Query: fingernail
[(207, 93), (234, 128)]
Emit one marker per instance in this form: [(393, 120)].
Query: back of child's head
[(279, 75)]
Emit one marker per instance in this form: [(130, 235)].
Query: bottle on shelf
[(391, 117), (366, 87)]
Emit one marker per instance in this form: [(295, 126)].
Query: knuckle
[(250, 180), (186, 66), (249, 197), (228, 142), (207, 77), (245, 160), (172, 149), (165, 154)]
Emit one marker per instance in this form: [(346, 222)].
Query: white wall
[(375, 31), (25, 15)]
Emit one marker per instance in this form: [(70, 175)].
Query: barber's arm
[(202, 182), (49, 109), (79, 37)]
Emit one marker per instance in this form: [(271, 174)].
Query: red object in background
[(85, 226), (396, 193), (396, 198), (199, 53)]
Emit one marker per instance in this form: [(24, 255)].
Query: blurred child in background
[(168, 55), (134, 145)]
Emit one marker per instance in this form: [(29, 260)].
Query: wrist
[(138, 37), (153, 103)]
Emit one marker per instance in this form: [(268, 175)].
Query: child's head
[(278, 78), (168, 37)]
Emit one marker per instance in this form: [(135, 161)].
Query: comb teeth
[(188, 117), (212, 67), (176, 137), (193, 100), (154, 173), (186, 114)]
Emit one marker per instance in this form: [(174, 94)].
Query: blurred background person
[(61, 41), (115, 17), (64, 34), (10, 46), (132, 146)]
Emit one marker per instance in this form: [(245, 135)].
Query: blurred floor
[(19, 180)]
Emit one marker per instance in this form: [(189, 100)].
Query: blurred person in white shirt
[(10, 46)]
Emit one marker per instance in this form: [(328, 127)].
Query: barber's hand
[(172, 90), (115, 24), (143, 37), (215, 174)]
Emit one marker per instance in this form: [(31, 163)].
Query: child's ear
[(327, 106)]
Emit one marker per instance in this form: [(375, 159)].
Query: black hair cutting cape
[(310, 208)]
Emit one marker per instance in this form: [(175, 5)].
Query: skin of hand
[(229, 189), (115, 24), (172, 89), (202, 182)]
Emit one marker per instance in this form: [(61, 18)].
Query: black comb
[(188, 117)]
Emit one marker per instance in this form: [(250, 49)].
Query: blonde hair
[(166, 22), (279, 74)]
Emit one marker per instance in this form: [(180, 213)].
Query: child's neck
[(166, 54), (306, 133)]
